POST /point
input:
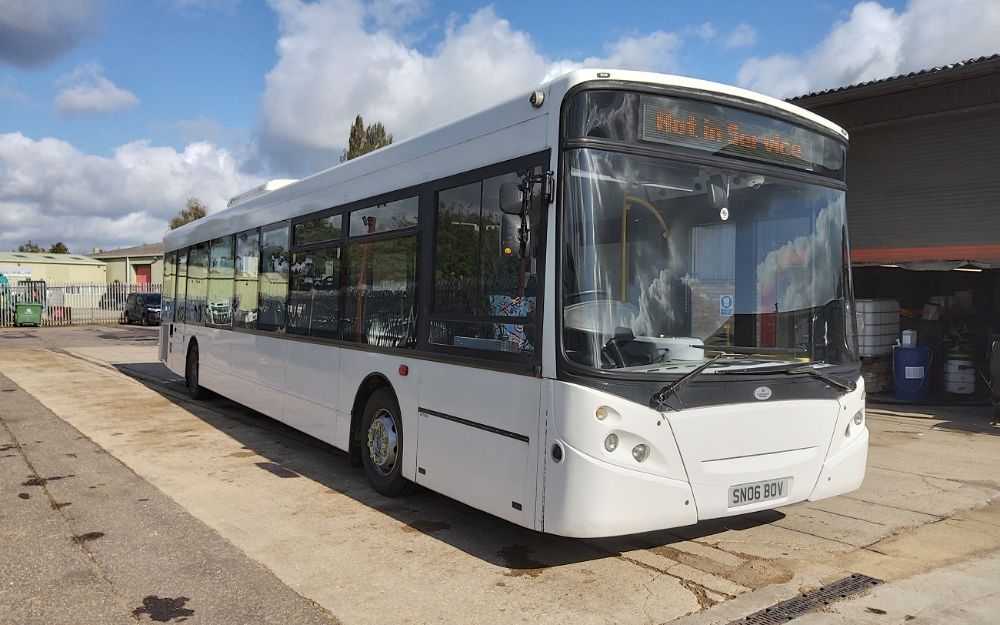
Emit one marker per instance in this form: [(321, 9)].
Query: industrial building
[(924, 210), (18, 267), (141, 264)]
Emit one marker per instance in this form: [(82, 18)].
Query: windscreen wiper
[(659, 398), (846, 384)]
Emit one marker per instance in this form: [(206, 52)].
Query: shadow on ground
[(291, 454)]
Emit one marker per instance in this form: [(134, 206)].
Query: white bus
[(619, 303)]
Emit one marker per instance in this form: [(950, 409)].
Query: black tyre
[(195, 390), (382, 444), (144, 320)]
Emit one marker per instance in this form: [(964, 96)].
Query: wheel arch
[(368, 386)]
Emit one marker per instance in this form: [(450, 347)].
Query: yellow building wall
[(118, 271), (59, 273)]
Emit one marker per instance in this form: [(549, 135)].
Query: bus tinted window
[(273, 277), (380, 302), (479, 270), (220, 282), (314, 299), (197, 284), (180, 295), (169, 268), (385, 217), (318, 230), (245, 267)]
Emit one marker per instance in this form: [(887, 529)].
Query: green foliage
[(192, 210), (362, 140), (58, 248), (30, 246)]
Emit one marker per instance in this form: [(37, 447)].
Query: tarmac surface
[(206, 512)]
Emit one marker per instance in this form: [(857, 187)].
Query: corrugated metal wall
[(929, 181), (923, 168)]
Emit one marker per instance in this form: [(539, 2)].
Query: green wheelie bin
[(27, 314)]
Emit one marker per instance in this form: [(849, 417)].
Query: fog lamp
[(640, 452), (859, 416), (611, 442)]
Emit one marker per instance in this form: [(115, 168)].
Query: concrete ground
[(925, 520)]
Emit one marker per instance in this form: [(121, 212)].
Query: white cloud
[(706, 31), (51, 191), (877, 42), (743, 36), (339, 59), (88, 92), (34, 33)]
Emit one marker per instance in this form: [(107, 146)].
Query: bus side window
[(273, 277), (246, 267), (476, 274)]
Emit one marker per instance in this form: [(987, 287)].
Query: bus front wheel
[(194, 389), (382, 444)]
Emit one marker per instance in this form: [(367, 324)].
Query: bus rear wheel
[(194, 388), (382, 444)]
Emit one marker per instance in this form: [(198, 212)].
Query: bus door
[(479, 413)]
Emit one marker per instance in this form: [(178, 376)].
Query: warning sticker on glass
[(914, 373)]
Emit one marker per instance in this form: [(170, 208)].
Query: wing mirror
[(511, 199)]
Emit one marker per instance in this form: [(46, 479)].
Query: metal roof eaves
[(881, 81)]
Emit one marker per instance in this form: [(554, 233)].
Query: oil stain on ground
[(42, 481), (518, 559), (163, 609), (89, 536)]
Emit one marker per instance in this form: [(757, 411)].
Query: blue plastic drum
[(911, 372)]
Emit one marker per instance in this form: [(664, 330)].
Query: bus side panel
[(478, 438), (313, 383), (355, 366), (259, 362)]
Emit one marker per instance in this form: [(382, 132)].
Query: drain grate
[(785, 611)]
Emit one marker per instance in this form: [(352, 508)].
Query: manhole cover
[(810, 601)]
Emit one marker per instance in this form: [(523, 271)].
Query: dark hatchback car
[(142, 308)]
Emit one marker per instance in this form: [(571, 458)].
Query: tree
[(194, 209), (58, 248), (30, 246), (362, 140)]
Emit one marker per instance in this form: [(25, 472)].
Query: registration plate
[(756, 492)]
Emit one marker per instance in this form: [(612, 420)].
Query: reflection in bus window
[(197, 284), (478, 273), (273, 277), (245, 267), (220, 282), (313, 308), (379, 297)]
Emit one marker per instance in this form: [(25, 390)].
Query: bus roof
[(508, 130)]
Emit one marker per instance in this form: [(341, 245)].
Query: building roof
[(146, 249), (42, 258), (933, 75)]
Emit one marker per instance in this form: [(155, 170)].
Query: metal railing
[(70, 303)]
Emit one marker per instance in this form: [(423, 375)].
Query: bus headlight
[(640, 452), (611, 442)]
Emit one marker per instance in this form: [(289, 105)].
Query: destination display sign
[(730, 131)]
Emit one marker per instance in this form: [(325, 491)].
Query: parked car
[(142, 308)]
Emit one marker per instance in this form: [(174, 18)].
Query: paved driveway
[(296, 508)]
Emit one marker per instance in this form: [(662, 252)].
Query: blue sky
[(114, 112)]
